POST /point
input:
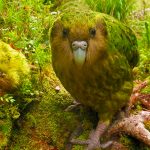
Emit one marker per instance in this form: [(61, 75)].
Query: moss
[(13, 64), (127, 141), (5, 125), (46, 117), (147, 125), (132, 143)]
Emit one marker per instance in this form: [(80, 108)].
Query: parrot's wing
[(123, 39)]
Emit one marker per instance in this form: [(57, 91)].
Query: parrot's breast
[(104, 86)]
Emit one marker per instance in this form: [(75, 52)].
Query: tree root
[(134, 126), (137, 96)]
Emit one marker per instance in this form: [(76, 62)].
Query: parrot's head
[(79, 41)]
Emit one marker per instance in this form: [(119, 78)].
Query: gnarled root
[(138, 96), (134, 126)]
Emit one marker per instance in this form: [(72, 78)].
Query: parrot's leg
[(94, 138)]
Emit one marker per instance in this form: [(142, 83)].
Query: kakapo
[(93, 55)]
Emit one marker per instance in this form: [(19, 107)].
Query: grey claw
[(107, 144)]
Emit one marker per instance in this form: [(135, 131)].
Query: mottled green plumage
[(104, 81)]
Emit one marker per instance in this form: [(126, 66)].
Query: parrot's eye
[(65, 32), (92, 32)]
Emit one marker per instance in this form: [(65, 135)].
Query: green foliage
[(132, 144), (142, 31), (25, 23), (41, 56), (9, 103), (147, 125), (147, 27), (8, 98), (1, 5), (5, 122), (120, 9)]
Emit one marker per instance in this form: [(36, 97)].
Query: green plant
[(7, 98), (147, 34), (120, 9)]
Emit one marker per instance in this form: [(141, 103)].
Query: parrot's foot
[(94, 139), (134, 126), (73, 106)]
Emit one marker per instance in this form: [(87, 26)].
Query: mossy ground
[(5, 125)]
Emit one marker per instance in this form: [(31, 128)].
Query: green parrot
[(93, 55)]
